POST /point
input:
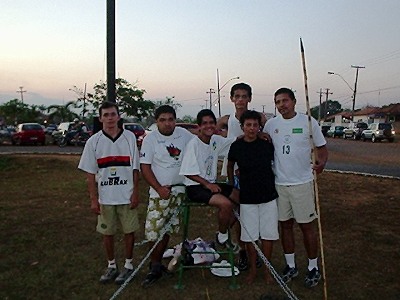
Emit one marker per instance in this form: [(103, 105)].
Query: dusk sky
[(173, 48)]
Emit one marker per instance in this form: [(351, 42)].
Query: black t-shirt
[(256, 178)]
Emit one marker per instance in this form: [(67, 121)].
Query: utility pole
[(320, 103), (21, 91), (326, 101), (219, 95), (263, 107), (211, 92), (111, 51), (355, 90)]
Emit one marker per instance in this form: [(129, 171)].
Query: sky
[(174, 48)]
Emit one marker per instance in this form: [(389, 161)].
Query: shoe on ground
[(312, 278), (151, 278), (243, 262), (123, 276), (109, 275), (289, 273)]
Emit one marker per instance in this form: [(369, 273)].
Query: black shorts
[(198, 193)]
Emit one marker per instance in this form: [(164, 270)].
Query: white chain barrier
[(162, 233), (275, 274)]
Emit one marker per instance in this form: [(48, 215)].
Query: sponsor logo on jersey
[(297, 130), (114, 181)]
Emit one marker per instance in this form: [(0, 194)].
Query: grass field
[(49, 248)]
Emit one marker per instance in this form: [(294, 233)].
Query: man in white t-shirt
[(112, 155), (290, 134), (160, 161), (199, 165)]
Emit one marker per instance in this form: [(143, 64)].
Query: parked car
[(335, 131), (5, 134), (28, 133), (355, 130), (138, 130), (151, 128), (193, 128), (50, 128), (378, 132), (324, 129), (62, 128)]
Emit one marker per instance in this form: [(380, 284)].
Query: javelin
[(303, 59)]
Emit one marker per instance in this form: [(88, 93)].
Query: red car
[(138, 131), (28, 133)]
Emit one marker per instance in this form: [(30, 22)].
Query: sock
[(290, 260), (128, 264), (112, 264), (312, 263), (223, 237)]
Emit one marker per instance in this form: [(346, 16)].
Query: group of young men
[(270, 178)]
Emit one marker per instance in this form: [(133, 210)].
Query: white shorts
[(296, 201), (259, 221)]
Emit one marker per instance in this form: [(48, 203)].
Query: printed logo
[(114, 181), (214, 145), (297, 130), (276, 131), (174, 151), (141, 154), (287, 139), (113, 171)]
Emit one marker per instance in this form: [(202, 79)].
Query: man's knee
[(286, 225)]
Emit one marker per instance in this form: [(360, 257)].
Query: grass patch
[(49, 247)]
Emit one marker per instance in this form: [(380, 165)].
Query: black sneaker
[(124, 275), (109, 275), (312, 278), (243, 262), (289, 273), (151, 278)]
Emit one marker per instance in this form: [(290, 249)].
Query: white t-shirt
[(234, 130), (291, 139), (164, 154), (113, 160), (202, 159)]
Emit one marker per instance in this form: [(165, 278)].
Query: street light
[(219, 90), (355, 87)]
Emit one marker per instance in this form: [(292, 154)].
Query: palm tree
[(60, 113)]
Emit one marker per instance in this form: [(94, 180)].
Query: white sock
[(312, 263), (290, 260), (128, 264), (112, 264), (223, 237)]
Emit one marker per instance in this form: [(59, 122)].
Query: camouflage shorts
[(159, 212)]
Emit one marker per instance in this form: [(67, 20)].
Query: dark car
[(193, 128), (5, 134), (324, 129), (335, 131), (50, 128), (137, 129), (28, 133)]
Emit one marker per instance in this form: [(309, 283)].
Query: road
[(345, 155)]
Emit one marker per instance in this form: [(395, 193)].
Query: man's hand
[(164, 191), (264, 136), (134, 200), (213, 187), (95, 206), (318, 167)]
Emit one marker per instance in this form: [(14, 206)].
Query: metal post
[(355, 91), (111, 51), (219, 95)]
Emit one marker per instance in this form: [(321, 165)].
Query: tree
[(327, 108), (188, 119), (168, 101), (60, 113), (128, 97), (15, 111)]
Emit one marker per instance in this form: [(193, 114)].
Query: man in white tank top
[(229, 126)]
